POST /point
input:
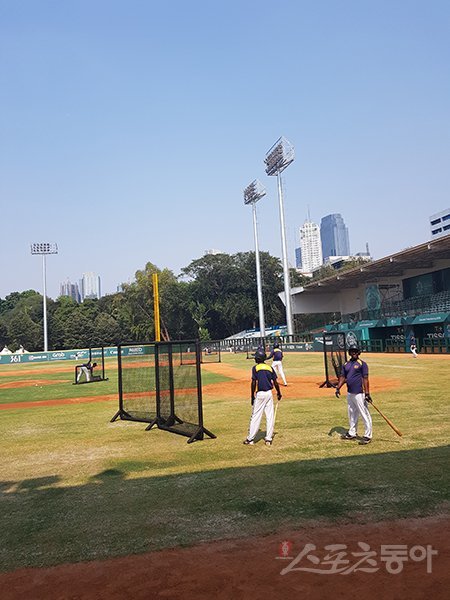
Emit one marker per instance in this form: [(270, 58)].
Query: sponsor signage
[(8, 359)]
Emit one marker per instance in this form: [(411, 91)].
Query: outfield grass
[(74, 486)]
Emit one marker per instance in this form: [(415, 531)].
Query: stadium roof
[(417, 257)]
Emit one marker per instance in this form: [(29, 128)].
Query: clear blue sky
[(130, 128)]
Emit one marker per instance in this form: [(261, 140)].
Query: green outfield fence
[(245, 345)]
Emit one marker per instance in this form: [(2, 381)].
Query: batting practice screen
[(160, 384), (210, 351), (335, 356), (137, 383)]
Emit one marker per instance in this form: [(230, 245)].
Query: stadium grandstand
[(389, 303)]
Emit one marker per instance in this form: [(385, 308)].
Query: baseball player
[(413, 347), (264, 379), (277, 357), (355, 373), (87, 369)]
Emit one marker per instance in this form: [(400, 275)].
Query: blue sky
[(129, 129)]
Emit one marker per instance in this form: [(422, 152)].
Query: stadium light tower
[(44, 248), (252, 193), (277, 159)]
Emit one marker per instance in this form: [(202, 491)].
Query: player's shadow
[(339, 430)]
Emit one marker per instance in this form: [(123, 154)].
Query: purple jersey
[(265, 376), (276, 354), (354, 372)]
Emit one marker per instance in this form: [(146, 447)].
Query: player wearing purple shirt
[(277, 356), (355, 373)]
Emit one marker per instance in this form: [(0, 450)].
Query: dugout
[(160, 384)]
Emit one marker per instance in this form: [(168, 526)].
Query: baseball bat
[(388, 421)]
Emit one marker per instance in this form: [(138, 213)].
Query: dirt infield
[(35, 404), (251, 568), (303, 386)]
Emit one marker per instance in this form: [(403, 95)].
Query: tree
[(225, 285), (106, 330), (23, 330)]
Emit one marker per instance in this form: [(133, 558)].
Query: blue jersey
[(276, 354), (264, 376), (354, 372)]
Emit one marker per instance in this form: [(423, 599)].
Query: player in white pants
[(86, 369), (264, 379), (355, 373), (357, 406), (277, 356)]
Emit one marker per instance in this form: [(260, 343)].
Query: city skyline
[(310, 247), (334, 236), (129, 140), (87, 287)]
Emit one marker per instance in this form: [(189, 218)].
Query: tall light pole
[(277, 159), (44, 248), (252, 194)]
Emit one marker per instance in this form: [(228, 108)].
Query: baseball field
[(93, 509)]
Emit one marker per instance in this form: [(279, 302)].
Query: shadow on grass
[(114, 514)]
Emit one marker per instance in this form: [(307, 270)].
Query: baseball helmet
[(354, 349), (260, 355), (276, 345)]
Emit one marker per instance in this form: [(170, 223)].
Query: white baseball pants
[(86, 372), (357, 407), (263, 405), (277, 366)]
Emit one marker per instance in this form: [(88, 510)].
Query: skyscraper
[(311, 251), (440, 224), (90, 286), (70, 289), (334, 234)]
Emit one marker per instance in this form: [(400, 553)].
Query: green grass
[(74, 486)]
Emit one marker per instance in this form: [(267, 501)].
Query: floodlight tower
[(252, 193), (44, 248), (277, 159)]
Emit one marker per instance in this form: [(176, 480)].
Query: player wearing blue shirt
[(277, 356), (264, 379), (355, 373)]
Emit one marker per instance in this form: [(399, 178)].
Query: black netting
[(160, 383), (210, 352), (178, 387), (335, 355), (137, 381)]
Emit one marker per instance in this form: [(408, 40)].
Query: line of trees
[(214, 297)]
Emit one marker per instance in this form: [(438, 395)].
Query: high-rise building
[(334, 235), (70, 289), (90, 286), (440, 224), (310, 246)]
